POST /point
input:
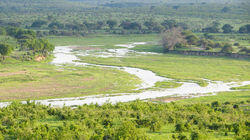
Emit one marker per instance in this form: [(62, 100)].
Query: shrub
[(236, 44), (227, 48)]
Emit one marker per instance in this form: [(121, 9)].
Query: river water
[(66, 55)]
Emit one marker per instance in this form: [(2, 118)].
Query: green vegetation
[(108, 41), (179, 40), (30, 30), (182, 67), (5, 50), (235, 96), (81, 17), (247, 87), (33, 80), (167, 84), (25, 44), (135, 120)]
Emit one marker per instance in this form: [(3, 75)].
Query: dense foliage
[(80, 17), (27, 43), (123, 121), (5, 50)]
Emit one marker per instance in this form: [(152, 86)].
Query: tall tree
[(227, 28), (245, 29), (171, 37), (111, 23), (5, 50)]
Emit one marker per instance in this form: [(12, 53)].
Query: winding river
[(66, 55)]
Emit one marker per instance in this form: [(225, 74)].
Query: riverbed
[(66, 55)]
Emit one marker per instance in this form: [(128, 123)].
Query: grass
[(39, 80), (8, 39), (167, 84), (235, 96), (148, 48), (183, 67), (168, 65), (108, 41), (247, 87), (33, 80)]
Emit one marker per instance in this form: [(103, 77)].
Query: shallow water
[(65, 55)]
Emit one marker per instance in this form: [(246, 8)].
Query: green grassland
[(184, 67), (108, 41), (235, 96), (178, 67), (34, 80), (173, 66)]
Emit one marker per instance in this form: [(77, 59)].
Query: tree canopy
[(5, 50)]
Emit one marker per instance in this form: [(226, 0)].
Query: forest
[(110, 69)]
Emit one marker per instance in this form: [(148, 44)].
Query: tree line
[(177, 38), (111, 26), (47, 27), (226, 28), (27, 42)]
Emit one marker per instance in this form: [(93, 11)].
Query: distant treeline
[(47, 27)]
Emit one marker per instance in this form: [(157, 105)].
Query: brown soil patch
[(12, 73), (29, 91), (89, 79), (39, 58)]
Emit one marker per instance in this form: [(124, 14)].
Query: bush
[(245, 50), (227, 48), (5, 50), (236, 44), (180, 45), (155, 124), (218, 45), (197, 136)]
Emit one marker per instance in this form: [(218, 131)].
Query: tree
[(227, 48), (128, 131), (25, 34), (212, 29), (245, 50), (111, 23), (40, 46), (149, 24), (196, 135), (12, 31), (172, 37), (208, 36), (191, 38), (2, 31), (176, 7), (204, 43), (127, 25), (56, 25), (245, 29), (227, 28), (225, 9), (38, 23), (5, 50), (169, 24), (100, 24), (155, 124)]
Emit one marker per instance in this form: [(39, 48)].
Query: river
[(66, 55)]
